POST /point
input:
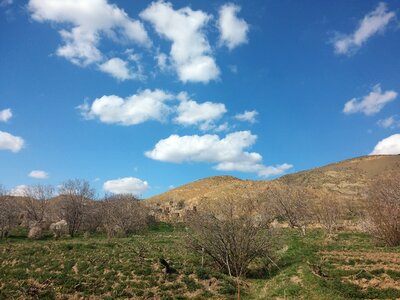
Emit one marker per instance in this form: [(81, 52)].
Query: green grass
[(294, 277), (129, 267)]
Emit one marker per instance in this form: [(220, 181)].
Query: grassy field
[(343, 266)]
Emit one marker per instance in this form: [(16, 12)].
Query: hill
[(346, 179)]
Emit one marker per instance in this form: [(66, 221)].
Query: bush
[(383, 209), (233, 234)]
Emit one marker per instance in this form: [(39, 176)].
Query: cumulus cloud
[(117, 68), (374, 22), (154, 105), (389, 145), (19, 190), (162, 61), (90, 20), (5, 115), (371, 103), (203, 114), (247, 116), (38, 174), (227, 153), (233, 31), (190, 52), (135, 59), (389, 122), (10, 142), (127, 185), (222, 127), (144, 106)]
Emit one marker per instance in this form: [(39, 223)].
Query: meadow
[(345, 265)]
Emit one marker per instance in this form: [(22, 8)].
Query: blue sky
[(140, 96)]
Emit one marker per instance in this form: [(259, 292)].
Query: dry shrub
[(123, 214), (233, 234), (328, 211), (93, 219), (76, 195), (383, 209), (292, 204), (59, 228), (36, 203), (9, 213), (35, 233)]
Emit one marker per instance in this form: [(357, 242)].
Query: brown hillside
[(347, 180)]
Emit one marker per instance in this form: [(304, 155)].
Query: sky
[(141, 97)]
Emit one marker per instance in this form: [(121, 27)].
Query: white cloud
[(117, 68), (5, 115), (275, 170), (152, 105), (233, 31), (90, 20), (202, 114), (373, 23), (247, 116), (135, 109), (38, 174), (19, 190), (138, 72), (127, 185), (10, 142), (190, 53), (389, 122), (228, 153), (389, 145), (162, 61), (371, 103), (222, 127)]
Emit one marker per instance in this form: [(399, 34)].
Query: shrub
[(383, 209)]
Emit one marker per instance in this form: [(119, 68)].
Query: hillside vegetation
[(347, 181)]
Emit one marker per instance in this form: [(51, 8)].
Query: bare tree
[(328, 211), (124, 214), (383, 209), (76, 195), (9, 213), (233, 234), (36, 203), (292, 204), (93, 216)]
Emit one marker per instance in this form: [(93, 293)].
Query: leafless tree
[(36, 203), (233, 234), (383, 209), (9, 213), (292, 204), (328, 211), (93, 216), (123, 214), (76, 195)]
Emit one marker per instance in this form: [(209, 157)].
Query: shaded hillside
[(347, 180)]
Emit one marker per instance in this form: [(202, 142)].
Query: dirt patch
[(378, 282), (369, 267), (393, 258), (369, 262), (296, 280), (75, 268)]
